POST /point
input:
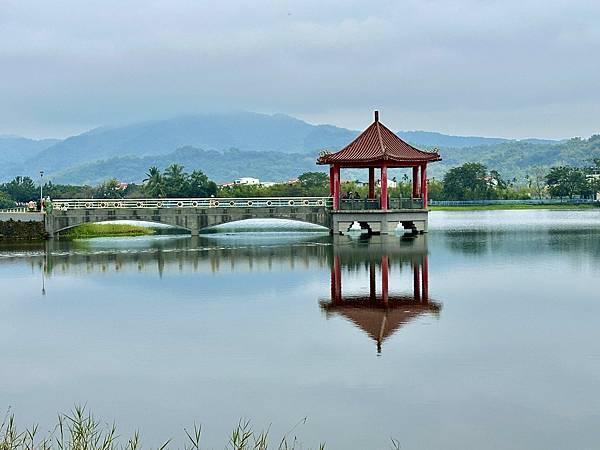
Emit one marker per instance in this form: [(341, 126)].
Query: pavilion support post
[(336, 290), (424, 185), (425, 280), (415, 182), (384, 193), (371, 183), (331, 180), (333, 284), (336, 187), (417, 282), (384, 279), (372, 282)]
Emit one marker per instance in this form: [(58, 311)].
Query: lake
[(481, 334)]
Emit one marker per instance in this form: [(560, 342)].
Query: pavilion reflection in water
[(380, 312)]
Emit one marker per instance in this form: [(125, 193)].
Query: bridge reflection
[(381, 312), (378, 283)]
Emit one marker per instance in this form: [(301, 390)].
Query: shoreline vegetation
[(469, 182), (91, 230), (80, 430)]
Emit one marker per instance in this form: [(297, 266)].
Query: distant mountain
[(517, 158), (16, 149), (244, 130), (271, 147), (511, 159), (433, 139), (220, 166)]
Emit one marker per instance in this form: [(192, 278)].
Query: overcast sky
[(511, 68)]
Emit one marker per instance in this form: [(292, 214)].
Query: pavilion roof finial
[(376, 116)]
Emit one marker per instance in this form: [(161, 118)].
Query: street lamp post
[(41, 190)]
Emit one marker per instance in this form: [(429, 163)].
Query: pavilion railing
[(257, 202), (375, 204)]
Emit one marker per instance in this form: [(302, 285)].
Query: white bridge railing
[(256, 202), (15, 210)]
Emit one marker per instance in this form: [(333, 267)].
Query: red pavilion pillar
[(415, 182), (336, 187), (336, 280), (331, 180), (384, 278), (417, 282), (384, 193), (371, 183), (372, 282), (425, 280), (424, 185)]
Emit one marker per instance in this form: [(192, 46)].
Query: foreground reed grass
[(79, 430), (89, 230)]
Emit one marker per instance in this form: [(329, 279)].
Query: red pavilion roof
[(378, 144)]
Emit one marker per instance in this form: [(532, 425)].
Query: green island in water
[(90, 230)]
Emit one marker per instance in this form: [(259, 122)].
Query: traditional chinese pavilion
[(379, 148)]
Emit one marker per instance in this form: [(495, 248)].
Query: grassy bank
[(79, 430), (90, 230), (509, 207)]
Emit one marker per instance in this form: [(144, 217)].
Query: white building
[(391, 184), (247, 180)]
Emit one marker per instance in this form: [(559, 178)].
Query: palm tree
[(176, 181), (154, 184)]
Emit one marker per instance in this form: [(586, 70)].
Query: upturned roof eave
[(385, 159)]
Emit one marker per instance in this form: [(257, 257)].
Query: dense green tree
[(200, 186), (109, 189), (21, 189), (466, 182), (565, 181), (6, 201), (66, 191), (435, 189), (314, 179)]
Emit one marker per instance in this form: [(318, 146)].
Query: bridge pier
[(381, 222)]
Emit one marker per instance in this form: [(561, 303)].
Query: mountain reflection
[(375, 308)]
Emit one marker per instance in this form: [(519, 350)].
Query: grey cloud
[(510, 68)]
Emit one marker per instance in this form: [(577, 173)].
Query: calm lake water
[(487, 335)]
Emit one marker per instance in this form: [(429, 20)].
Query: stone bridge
[(193, 215)]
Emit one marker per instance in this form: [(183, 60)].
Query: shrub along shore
[(80, 430), (15, 230)]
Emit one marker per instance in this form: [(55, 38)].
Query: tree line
[(470, 181)]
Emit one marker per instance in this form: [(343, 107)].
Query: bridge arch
[(75, 225), (279, 224)]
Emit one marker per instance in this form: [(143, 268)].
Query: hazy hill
[(517, 158), (220, 166), (16, 149), (512, 159), (271, 147), (433, 139), (245, 131)]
